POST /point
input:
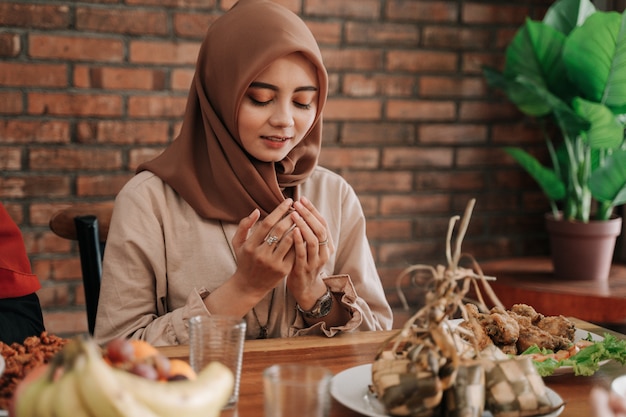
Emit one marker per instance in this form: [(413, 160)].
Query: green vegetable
[(587, 361)]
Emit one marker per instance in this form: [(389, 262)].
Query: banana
[(45, 401), (68, 403), (99, 388), (202, 397), (26, 405)]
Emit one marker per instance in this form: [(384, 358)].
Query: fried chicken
[(521, 327)]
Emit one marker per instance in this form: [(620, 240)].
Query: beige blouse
[(161, 258)]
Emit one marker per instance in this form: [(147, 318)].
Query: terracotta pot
[(582, 251)]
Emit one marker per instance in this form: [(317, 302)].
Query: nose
[(282, 116)]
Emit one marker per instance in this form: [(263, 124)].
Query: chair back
[(89, 226)]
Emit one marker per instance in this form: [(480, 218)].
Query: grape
[(177, 377), (162, 365), (144, 370), (120, 350)]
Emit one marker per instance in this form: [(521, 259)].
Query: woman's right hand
[(264, 249)]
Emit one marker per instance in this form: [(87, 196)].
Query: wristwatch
[(321, 308)]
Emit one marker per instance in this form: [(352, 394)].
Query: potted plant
[(568, 71)]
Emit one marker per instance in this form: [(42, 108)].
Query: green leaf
[(608, 183), (526, 97), (535, 53), (605, 132), (547, 179), (595, 58), (565, 15)]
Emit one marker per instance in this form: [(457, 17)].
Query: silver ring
[(323, 243), (270, 240)]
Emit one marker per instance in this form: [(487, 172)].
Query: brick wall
[(89, 89)]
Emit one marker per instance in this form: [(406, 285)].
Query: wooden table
[(352, 349), (531, 281)]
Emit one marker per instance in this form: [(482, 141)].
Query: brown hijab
[(206, 164)]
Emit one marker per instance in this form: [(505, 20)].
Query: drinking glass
[(296, 390), (218, 338)]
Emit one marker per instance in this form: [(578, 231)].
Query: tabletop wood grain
[(352, 349)]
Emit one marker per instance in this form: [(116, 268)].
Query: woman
[(235, 217), (20, 311)]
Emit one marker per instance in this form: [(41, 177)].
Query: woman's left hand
[(313, 247)]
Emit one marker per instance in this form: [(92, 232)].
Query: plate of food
[(555, 343), (351, 388)]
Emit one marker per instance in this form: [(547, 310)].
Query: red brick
[(64, 104), (348, 9), (138, 156), (76, 48), (452, 87), (474, 157), (358, 158), (156, 106), (422, 11), (377, 132), (359, 85), (447, 134), (450, 181), (113, 78), (46, 242), (65, 323), (382, 33), (403, 158), (11, 102), (480, 111), (193, 25), (475, 13), (121, 132), (473, 62), (517, 134), (182, 78), (18, 74), (410, 253), (353, 59), (34, 16), (389, 229), (56, 296), (413, 204), (64, 159), (169, 53), (369, 181), (420, 110), (326, 33), (121, 20), (40, 131), (10, 159), (192, 4), (455, 38), (35, 186), (421, 61), (347, 109), (100, 185), (10, 45)]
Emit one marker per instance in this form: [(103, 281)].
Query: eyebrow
[(272, 87)]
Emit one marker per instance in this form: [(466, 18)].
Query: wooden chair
[(88, 224)]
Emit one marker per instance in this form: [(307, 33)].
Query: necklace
[(262, 328)]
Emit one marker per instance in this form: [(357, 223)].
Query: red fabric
[(16, 277)]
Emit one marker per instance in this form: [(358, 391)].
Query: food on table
[(519, 328), (424, 369), (21, 358), (141, 358), (89, 385)]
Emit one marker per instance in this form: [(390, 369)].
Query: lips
[(276, 138)]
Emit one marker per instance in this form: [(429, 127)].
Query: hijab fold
[(207, 164)]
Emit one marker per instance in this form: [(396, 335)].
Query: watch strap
[(321, 308)]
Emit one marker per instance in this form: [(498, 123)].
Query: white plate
[(351, 388)]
